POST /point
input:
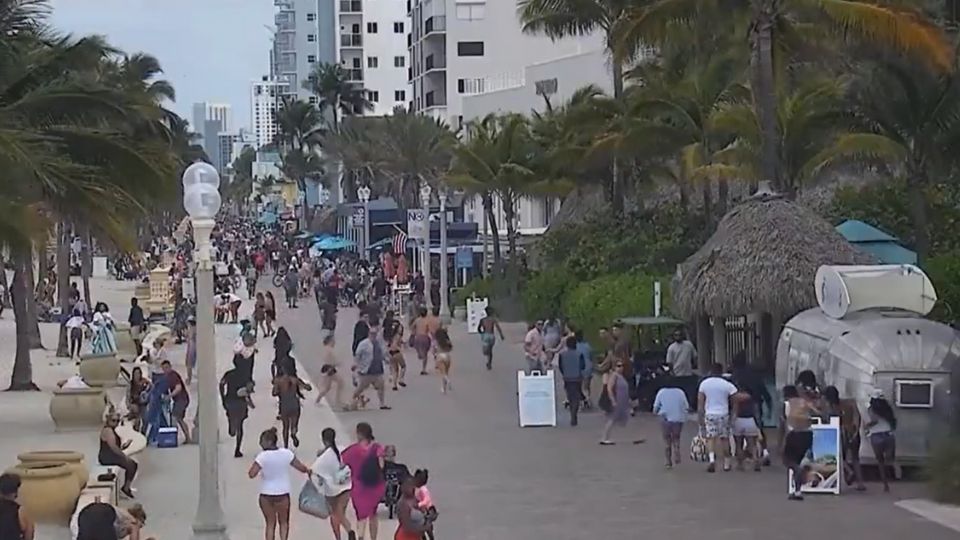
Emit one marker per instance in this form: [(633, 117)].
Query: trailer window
[(915, 394)]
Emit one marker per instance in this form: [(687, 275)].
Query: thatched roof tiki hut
[(759, 267)]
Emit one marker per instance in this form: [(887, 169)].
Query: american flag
[(400, 242)]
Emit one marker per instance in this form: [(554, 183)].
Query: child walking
[(672, 406), (425, 500)]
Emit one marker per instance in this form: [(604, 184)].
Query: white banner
[(536, 399), (476, 311)]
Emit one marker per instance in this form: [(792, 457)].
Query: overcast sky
[(210, 49)]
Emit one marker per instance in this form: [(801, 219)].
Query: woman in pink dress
[(365, 459)]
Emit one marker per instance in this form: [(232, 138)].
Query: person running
[(881, 427), (618, 402), (270, 310), (75, 326), (412, 522), (288, 388), (420, 329), (489, 327), (291, 287), (797, 438), (366, 460), (235, 396), (273, 465), (585, 350), (260, 314), (330, 373), (15, 523), (369, 364), (361, 330), (443, 359), (335, 483), (850, 424), (138, 325), (533, 348), (746, 431), (393, 337), (572, 366), (713, 410), (190, 356), (671, 405)]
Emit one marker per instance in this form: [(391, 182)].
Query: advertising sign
[(358, 217), (476, 311), (536, 399), (418, 226), (464, 258), (822, 465)]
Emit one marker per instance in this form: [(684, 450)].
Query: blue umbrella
[(332, 243)]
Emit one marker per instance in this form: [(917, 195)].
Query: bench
[(112, 485), (88, 496)]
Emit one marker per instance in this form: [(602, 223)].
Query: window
[(399, 61), (914, 394), (398, 28), (313, 100), (371, 28), (311, 58), (399, 95), (470, 12), (469, 48), (373, 96), (460, 85), (311, 38), (311, 17), (373, 62)]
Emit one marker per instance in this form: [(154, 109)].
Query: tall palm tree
[(299, 132), (358, 147), (336, 93), (416, 150), (898, 25)]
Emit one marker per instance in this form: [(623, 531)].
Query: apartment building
[(231, 145), (265, 96), (464, 47), (372, 45), (297, 42)]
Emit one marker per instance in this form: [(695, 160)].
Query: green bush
[(943, 471), (944, 272), (544, 293), (594, 304), (481, 287)]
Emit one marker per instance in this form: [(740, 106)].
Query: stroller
[(394, 474)]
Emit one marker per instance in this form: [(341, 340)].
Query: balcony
[(435, 24), (351, 6), (351, 40), (431, 100), (434, 62), (409, 40), (354, 75), (409, 7), (409, 74)]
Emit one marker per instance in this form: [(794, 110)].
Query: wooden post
[(720, 341)]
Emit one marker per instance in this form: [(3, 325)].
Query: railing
[(430, 100), (437, 23), (351, 6), (432, 62), (351, 40), (495, 83)]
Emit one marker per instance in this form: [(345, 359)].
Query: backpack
[(370, 472)]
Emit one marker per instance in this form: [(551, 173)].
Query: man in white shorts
[(713, 407)]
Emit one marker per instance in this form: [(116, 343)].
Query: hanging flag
[(400, 242)]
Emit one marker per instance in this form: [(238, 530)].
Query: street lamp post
[(444, 279), (201, 200), (363, 193), (425, 202)]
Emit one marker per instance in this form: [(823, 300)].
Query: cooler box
[(167, 437)]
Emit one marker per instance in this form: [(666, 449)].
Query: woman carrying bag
[(333, 479)]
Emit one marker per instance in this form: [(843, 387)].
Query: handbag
[(311, 501), (342, 475), (698, 449), (605, 404)]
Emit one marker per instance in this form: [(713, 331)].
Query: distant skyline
[(210, 50)]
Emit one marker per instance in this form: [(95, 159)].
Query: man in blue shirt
[(586, 351), (572, 366)]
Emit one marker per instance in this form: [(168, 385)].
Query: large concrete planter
[(77, 409), (73, 460), (48, 491), (126, 349), (100, 370)]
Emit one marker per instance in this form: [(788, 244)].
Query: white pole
[(209, 523), (444, 259)]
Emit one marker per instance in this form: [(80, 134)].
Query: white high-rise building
[(297, 43), (464, 47), (265, 99), (372, 47)]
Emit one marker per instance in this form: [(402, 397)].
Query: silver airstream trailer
[(869, 334)]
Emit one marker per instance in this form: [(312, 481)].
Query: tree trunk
[(707, 190), (20, 291), (33, 317), (616, 182), (43, 269), (495, 235), (86, 264), (723, 196), (509, 212), (765, 97), (917, 183), (63, 285), (5, 298)]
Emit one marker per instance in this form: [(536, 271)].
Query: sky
[(211, 50)]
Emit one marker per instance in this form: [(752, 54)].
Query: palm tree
[(909, 118), (500, 158), (358, 149), (776, 23), (299, 132), (336, 93), (415, 150)]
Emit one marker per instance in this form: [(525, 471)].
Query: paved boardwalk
[(492, 480)]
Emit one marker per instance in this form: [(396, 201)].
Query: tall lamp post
[(444, 279), (363, 193), (201, 200), (425, 202)]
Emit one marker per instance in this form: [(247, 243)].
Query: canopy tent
[(267, 218), (303, 236), (886, 248), (332, 243)]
